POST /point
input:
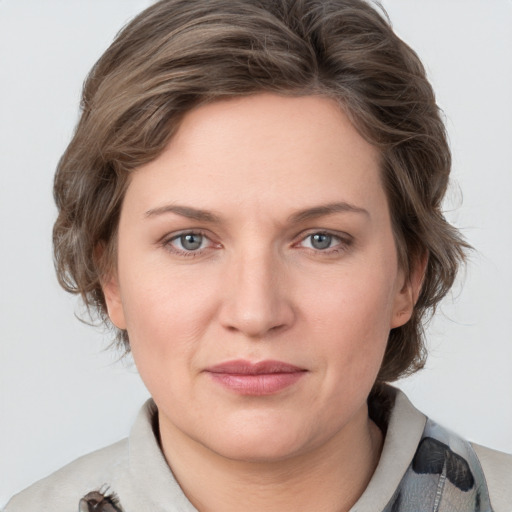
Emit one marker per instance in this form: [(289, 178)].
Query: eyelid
[(345, 240), (166, 242)]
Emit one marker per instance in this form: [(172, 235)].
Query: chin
[(258, 443), (257, 452)]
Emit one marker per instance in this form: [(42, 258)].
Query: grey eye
[(320, 241), (191, 241)]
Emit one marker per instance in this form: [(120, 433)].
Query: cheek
[(350, 315), (351, 301), (166, 319), (166, 313)]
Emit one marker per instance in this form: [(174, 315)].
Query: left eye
[(190, 242), (321, 241)]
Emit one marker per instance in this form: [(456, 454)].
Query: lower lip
[(257, 385)]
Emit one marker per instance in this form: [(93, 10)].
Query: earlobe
[(114, 303), (407, 296)]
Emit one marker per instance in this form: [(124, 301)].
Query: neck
[(328, 478)]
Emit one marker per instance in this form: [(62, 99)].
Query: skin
[(258, 288)]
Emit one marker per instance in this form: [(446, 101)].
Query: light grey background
[(62, 395)]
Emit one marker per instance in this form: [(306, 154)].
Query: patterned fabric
[(99, 501), (444, 476)]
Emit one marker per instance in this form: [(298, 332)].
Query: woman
[(252, 198)]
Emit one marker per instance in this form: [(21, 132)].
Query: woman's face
[(257, 276)]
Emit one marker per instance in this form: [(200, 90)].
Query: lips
[(257, 379)]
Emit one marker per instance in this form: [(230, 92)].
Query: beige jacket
[(136, 471)]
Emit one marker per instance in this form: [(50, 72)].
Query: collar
[(153, 486)]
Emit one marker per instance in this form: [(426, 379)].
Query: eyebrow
[(327, 209), (185, 211), (295, 218)]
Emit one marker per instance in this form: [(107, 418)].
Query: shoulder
[(60, 491), (497, 468), (132, 473), (423, 462)]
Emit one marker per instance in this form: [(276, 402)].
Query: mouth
[(256, 379)]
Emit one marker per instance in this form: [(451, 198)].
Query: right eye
[(190, 243), (321, 241)]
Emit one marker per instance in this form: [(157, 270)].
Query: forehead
[(264, 150), (273, 125)]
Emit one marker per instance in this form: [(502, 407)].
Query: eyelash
[(343, 243), (167, 243)]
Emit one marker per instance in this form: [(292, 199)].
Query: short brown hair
[(179, 54)]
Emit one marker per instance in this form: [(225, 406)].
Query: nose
[(257, 301)]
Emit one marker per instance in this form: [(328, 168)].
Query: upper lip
[(243, 367)]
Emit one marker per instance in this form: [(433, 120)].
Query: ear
[(407, 296), (114, 303), (110, 287)]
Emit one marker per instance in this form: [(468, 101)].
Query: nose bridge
[(257, 301)]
